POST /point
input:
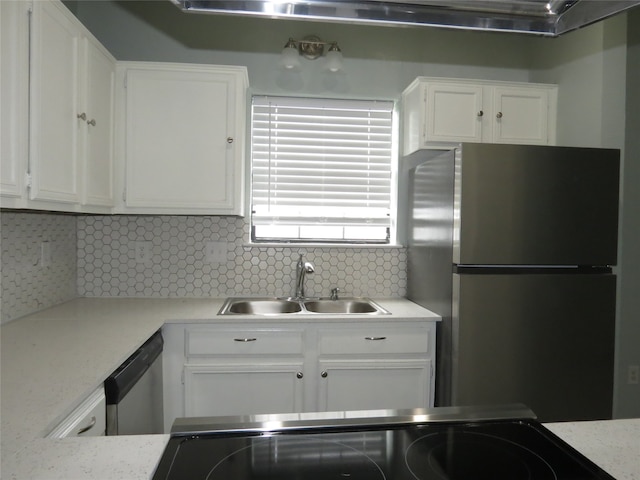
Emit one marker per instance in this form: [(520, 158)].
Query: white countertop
[(53, 359)]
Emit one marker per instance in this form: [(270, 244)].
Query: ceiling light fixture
[(311, 47)]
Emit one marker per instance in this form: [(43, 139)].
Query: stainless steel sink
[(288, 306), (260, 306), (346, 305)]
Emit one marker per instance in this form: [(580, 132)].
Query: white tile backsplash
[(178, 263), (28, 284), (95, 256)]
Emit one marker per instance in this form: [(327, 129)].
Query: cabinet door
[(98, 108), (242, 389), (87, 420), (54, 101), (181, 142), (374, 384), (14, 78), (520, 115), (454, 112)]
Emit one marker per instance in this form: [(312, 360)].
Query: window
[(321, 170)]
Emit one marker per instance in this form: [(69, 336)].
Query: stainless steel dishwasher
[(134, 392)]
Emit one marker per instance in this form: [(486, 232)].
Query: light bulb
[(289, 56), (334, 58)]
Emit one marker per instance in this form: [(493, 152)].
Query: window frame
[(391, 227)]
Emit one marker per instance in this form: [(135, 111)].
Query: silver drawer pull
[(375, 338), (245, 340), (88, 427)]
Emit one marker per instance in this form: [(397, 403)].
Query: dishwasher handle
[(120, 382)]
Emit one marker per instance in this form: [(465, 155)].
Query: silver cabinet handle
[(92, 122), (324, 374), (82, 116), (229, 139), (499, 115), (480, 113), (299, 375), (245, 340), (88, 427), (375, 338)]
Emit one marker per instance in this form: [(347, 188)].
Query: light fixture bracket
[(311, 47)]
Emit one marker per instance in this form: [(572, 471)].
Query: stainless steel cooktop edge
[(346, 419)]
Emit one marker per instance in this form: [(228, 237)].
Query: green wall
[(627, 398)]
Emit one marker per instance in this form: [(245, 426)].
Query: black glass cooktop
[(494, 450)]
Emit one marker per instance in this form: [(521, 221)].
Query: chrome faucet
[(302, 268)]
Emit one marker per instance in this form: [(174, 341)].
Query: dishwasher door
[(134, 392)]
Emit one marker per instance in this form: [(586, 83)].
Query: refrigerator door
[(545, 340), (535, 205)]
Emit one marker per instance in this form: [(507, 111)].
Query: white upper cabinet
[(14, 100), (182, 137), (98, 111), (438, 111), (57, 111), (54, 122)]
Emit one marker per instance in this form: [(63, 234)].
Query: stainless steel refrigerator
[(513, 246)]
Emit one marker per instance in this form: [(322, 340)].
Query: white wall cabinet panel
[(521, 115), (98, 96), (184, 138), (54, 104), (14, 81), (441, 111), (58, 120), (454, 112)]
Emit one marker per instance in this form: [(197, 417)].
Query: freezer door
[(536, 205), (543, 340)]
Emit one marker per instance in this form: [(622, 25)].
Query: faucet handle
[(334, 293)]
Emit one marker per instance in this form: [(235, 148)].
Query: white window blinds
[(321, 169)]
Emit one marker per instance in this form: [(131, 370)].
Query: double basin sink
[(289, 306)]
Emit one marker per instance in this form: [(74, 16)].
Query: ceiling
[(540, 17)]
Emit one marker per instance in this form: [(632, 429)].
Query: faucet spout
[(302, 268)]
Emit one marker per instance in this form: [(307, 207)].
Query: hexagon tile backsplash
[(168, 256), (171, 256), (38, 262)]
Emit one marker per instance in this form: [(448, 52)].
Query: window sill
[(322, 245)]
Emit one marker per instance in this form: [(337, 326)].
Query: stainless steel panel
[(536, 205), (545, 340), (540, 17), (345, 419), (430, 252), (141, 410)]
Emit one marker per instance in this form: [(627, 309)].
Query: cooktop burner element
[(408, 445), (458, 454)]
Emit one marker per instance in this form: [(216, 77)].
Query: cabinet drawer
[(374, 340), (203, 342), (87, 420)]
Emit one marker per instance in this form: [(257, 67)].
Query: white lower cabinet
[(87, 420), (369, 384), (231, 369), (239, 388)]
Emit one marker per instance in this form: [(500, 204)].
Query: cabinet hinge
[(182, 377), (124, 195), (28, 180)]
